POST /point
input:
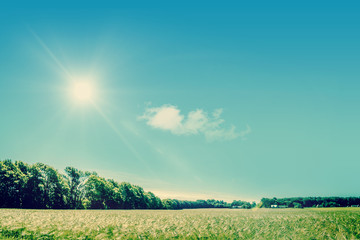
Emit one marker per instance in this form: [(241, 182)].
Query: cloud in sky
[(169, 118)]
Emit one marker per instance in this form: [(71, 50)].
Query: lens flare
[(83, 91)]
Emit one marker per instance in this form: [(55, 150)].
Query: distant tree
[(54, 188), (266, 202), (297, 205), (153, 202), (128, 196), (34, 188), (115, 200), (168, 204), (139, 197), (76, 181), (12, 181), (98, 192)]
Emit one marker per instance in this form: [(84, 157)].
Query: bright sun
[(83, 91)]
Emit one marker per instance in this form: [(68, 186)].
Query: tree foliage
[(301, 202), (41, 186)]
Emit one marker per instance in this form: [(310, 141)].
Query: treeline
[(301, 202), (211, 203), (39, 186)]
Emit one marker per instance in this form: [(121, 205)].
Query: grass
[(326, 223)]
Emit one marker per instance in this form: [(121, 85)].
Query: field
[(329, 223)]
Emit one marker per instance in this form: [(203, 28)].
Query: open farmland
[(326, 223)]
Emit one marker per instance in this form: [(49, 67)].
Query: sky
[(188, 99)]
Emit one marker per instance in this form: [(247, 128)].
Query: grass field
[(329, 223)]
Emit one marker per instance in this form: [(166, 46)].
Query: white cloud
[(245, 132), (168, 117), (196, 121)]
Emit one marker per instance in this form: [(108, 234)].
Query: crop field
[(325, 223)]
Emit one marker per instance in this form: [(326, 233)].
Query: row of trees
[(301, 202), (41, 186), (211, 203)]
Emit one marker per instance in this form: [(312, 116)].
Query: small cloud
[(165, 117), (217, 113), (196, 121), (169, 118), (221, 134), (245, 132)]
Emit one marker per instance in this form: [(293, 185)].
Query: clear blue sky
[(189, 99)]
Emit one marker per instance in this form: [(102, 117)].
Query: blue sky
[(189, 100)]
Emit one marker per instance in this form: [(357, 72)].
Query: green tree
[(12, 181), (55, 189), (128, 196), (76, 180), (98, 192), (153, 202)]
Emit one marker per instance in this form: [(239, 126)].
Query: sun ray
[(52, 55), (123, 139), (84, 91)]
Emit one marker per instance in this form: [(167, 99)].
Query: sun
[(83, 91)]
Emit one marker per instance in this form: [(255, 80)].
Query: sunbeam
[(51, 54), (120, 135), (83, 90)]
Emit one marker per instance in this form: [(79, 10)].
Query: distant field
[(326, 223)]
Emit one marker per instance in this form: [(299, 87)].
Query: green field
[(325, 223)]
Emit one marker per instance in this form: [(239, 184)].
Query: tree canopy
[(302, 202), (41, 186)]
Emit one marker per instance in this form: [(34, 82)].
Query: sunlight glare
[(83, 91)]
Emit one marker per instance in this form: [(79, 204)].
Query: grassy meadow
[(321, 223)]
